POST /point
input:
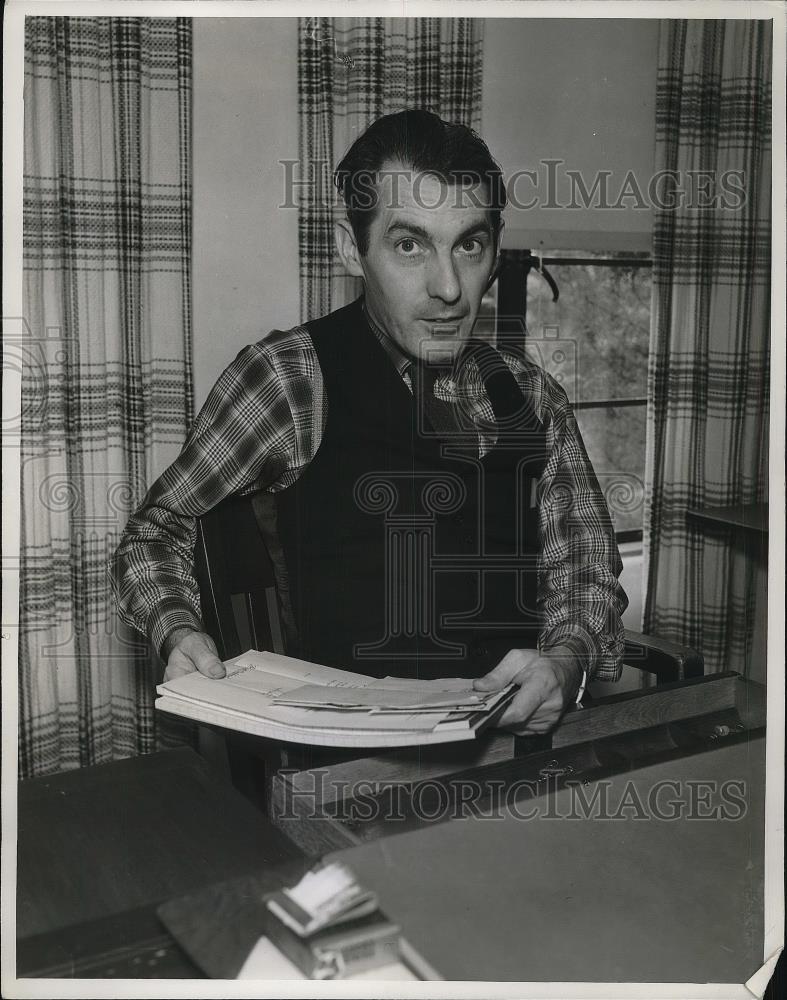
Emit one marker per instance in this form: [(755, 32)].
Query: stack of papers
[(268, 694), (330, 926), (324, 897)]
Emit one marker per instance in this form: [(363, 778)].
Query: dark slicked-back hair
[(424, 142)]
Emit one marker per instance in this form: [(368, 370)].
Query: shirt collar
[(400, 360)]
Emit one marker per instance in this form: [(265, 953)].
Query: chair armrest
[(668, 660)]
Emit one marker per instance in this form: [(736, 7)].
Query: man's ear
[(349, 254), (498, 264)]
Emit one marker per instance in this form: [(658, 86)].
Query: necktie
[(446, 420)]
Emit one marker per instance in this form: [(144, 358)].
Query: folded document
[(284, 698), (371, 698)]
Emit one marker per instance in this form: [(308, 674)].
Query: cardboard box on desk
[(369, 942), (329, 925), (219, 926)]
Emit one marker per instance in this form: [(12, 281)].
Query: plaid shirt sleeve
[(580, 598), (243, 439)]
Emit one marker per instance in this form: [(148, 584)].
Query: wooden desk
[(622, 853), (541, 890), (747, 517), (565, 895), (99, 848), (744, 528), (328, 808)]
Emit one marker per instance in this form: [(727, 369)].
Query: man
[(431, 497)]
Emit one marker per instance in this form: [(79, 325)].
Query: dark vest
[(406, 554)]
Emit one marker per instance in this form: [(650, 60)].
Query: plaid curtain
[(709, 359), (106, 362), (352, 70)]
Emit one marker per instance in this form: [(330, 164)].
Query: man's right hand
[(192, 651)]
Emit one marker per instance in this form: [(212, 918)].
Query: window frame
[(613, 245)]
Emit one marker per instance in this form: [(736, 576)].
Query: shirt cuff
[(576, 638), (167, 619)]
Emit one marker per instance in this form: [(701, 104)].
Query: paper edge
[(758, 983)]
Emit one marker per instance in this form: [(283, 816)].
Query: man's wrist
[(574, 638), (573, 665), (172, 639), (168, 617)]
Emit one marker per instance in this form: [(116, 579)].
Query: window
[(594, 341)]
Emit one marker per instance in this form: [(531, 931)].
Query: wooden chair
[(240, 610), (668, 661), (236, 580)]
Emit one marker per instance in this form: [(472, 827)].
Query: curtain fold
[(351, 71), (106, 363), (709, 360)]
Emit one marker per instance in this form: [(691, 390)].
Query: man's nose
[(443, 282)]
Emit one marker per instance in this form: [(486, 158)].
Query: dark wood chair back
[(236, 580)]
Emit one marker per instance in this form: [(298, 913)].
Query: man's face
[(431, 253)]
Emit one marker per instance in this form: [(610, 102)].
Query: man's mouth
[(444, 326)]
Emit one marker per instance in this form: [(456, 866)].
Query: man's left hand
[(548, 682)]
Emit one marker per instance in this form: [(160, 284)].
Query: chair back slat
[(236, 580)]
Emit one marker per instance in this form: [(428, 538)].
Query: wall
[(582, 91), (579, 90), (245, 257)]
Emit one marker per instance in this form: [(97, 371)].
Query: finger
[(201, 651), (544, 717), (208, 663), (502, 674), (529, 728), (492, 681), (177, 669), (524, 704)]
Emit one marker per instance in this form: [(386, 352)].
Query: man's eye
[(408, 247), (472, 247)]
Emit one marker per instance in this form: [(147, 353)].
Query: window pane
[(595, 337), (615, 441)]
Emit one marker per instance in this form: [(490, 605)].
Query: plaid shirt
[(261, 426)]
